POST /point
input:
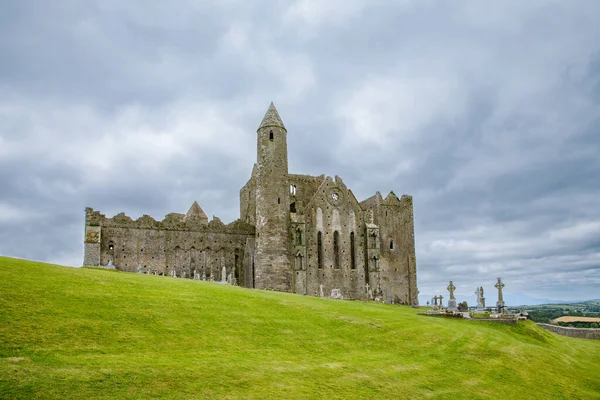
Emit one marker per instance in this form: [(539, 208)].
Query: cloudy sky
[(486, 112)]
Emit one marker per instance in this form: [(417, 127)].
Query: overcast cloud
[(486, 112)]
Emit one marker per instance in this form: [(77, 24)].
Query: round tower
[(273, 268)]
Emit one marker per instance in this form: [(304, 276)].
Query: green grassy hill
[(88, 333)]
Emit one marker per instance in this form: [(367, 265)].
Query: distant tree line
[(548, 313)]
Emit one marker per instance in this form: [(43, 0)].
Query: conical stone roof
[(272, 118)]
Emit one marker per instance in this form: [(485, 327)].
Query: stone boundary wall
[(580, 333), (510, 321)]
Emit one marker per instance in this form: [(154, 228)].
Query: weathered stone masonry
[(296, 233)]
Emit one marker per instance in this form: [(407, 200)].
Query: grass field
[(87, 333)]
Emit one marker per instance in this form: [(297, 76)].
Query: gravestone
[(321, 294), (223, 275), (482, 298), (478, 293), (336, 294), (110, 265)]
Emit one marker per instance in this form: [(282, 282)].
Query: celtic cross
[(451, 288), (499, 285)]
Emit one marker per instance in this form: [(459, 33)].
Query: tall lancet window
[(320, 250), (352, 252), (336, 249)]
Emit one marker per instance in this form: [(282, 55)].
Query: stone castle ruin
[(296, 233)]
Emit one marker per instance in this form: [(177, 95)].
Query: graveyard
[(499, 312), (91, 333)]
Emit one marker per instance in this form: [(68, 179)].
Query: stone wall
[(334, 209), (248, 200), (302, 190), (396, 271), (580, 333), (173, 246)]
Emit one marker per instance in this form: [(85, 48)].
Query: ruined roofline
[(304, 177), (250, 180), (172, 221), (391, 200), (337, 181)]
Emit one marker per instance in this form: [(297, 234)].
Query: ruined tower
[(272, 259)]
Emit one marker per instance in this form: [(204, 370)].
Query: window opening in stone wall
[(111, 247), (352, 252), (374, 263), (320, 250), (391, 244), (336, 249), (271, 135), (293, 207), (299, 264), (298, 237), (293, 190), (279, 200)]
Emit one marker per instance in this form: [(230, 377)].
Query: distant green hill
[(88, 333)]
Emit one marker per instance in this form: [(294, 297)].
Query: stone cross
[(367, 287), (499, 285), (500, 303), (441, 300), (452, 301), (451, 288)]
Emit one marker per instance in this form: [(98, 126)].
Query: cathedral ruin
[(296, 233)]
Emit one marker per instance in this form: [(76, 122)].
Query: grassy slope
[(85, 333)]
